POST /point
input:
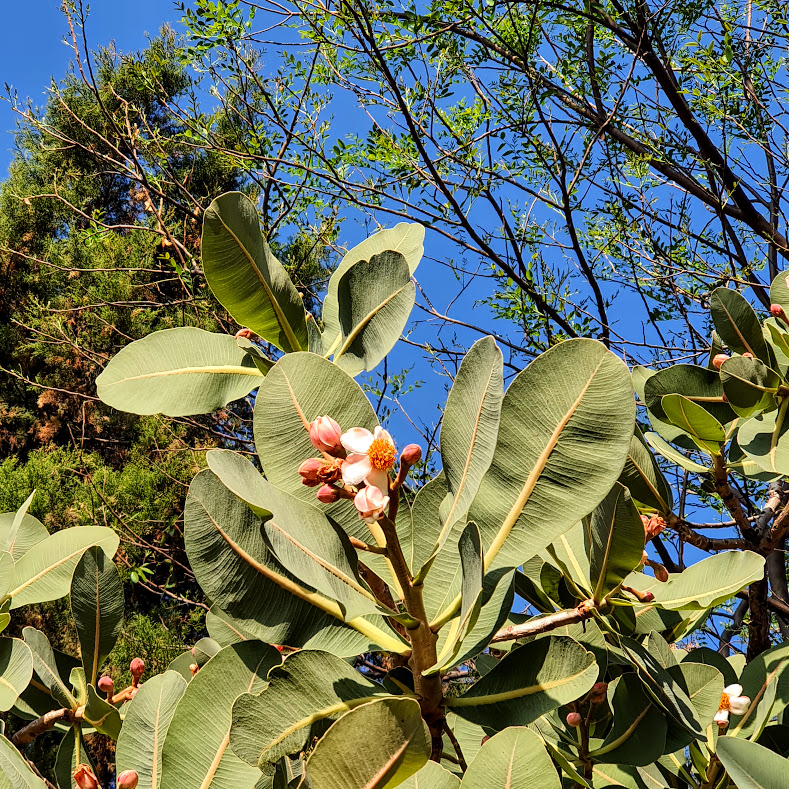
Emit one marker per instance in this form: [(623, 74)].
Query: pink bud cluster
[(355, 465)]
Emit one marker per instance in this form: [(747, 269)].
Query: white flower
[(731, 701), (371, 456)]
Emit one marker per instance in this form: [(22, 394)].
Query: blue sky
[(32, 48)]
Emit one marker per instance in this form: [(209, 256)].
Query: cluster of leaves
[(543, 492)]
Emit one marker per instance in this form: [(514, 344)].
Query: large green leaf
[(527, 683), (376, 297), (419, 544), (244, 275), (237, 571), (196, 749), (145, 726), (16, 670), (705, 584), (376, 746), (300, 388), (737, 323), (764, 439), (703, 685), (614, 537), (568, 416), (698, 384), (309, 686), (178, 372), (469, 429), (15, 772), (97, 608), (406, 239), (239, 476), (750, 385), (752, 766), (45, 573), (643, 477), (514, 758)]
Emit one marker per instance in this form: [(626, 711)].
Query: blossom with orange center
[(371, 456), (731, 701)]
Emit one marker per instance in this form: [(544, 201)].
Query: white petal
[(378, 479), (722, 716), (355, 468), (738, 705), (733, 690), (381, 433), (357, 440)]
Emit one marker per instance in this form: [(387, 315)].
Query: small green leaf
[(737, 323), (750, 385)]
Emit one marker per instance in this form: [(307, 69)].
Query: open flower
[(371, 503), (731, 701), (371, 457)]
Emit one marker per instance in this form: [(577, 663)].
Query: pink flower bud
[(411, 455), (718, 360), (747, 355), (137, 668), (127, 780), (325, 434), (485, 739), (105, 684), (600, 688), (573, 719), (661, 573), (309, 470), (194, 668), (84, 778), (777, 311), (247, 334), (327, 494), (370, 502), (647, 597)]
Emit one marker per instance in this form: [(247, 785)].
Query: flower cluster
[(355, 465)]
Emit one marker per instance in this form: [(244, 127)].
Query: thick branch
[(40, 725)]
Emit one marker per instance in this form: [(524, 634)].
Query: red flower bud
[(327, 494), (777, 311), (718, 360), (106, 685), (325, 434), (84, 778), (309, 470), (411, 455), (661, 573), (747, 355), (600, 688), (573, 719), (247, 334), (647, 597), (127, 780)]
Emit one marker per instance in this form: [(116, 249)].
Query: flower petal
[(378, 479), (733, 690), (722, 716), (381, 433), (357, 440), (355, 468), (738, 705)]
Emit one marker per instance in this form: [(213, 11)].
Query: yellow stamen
[(724, 705), (381, 454)]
